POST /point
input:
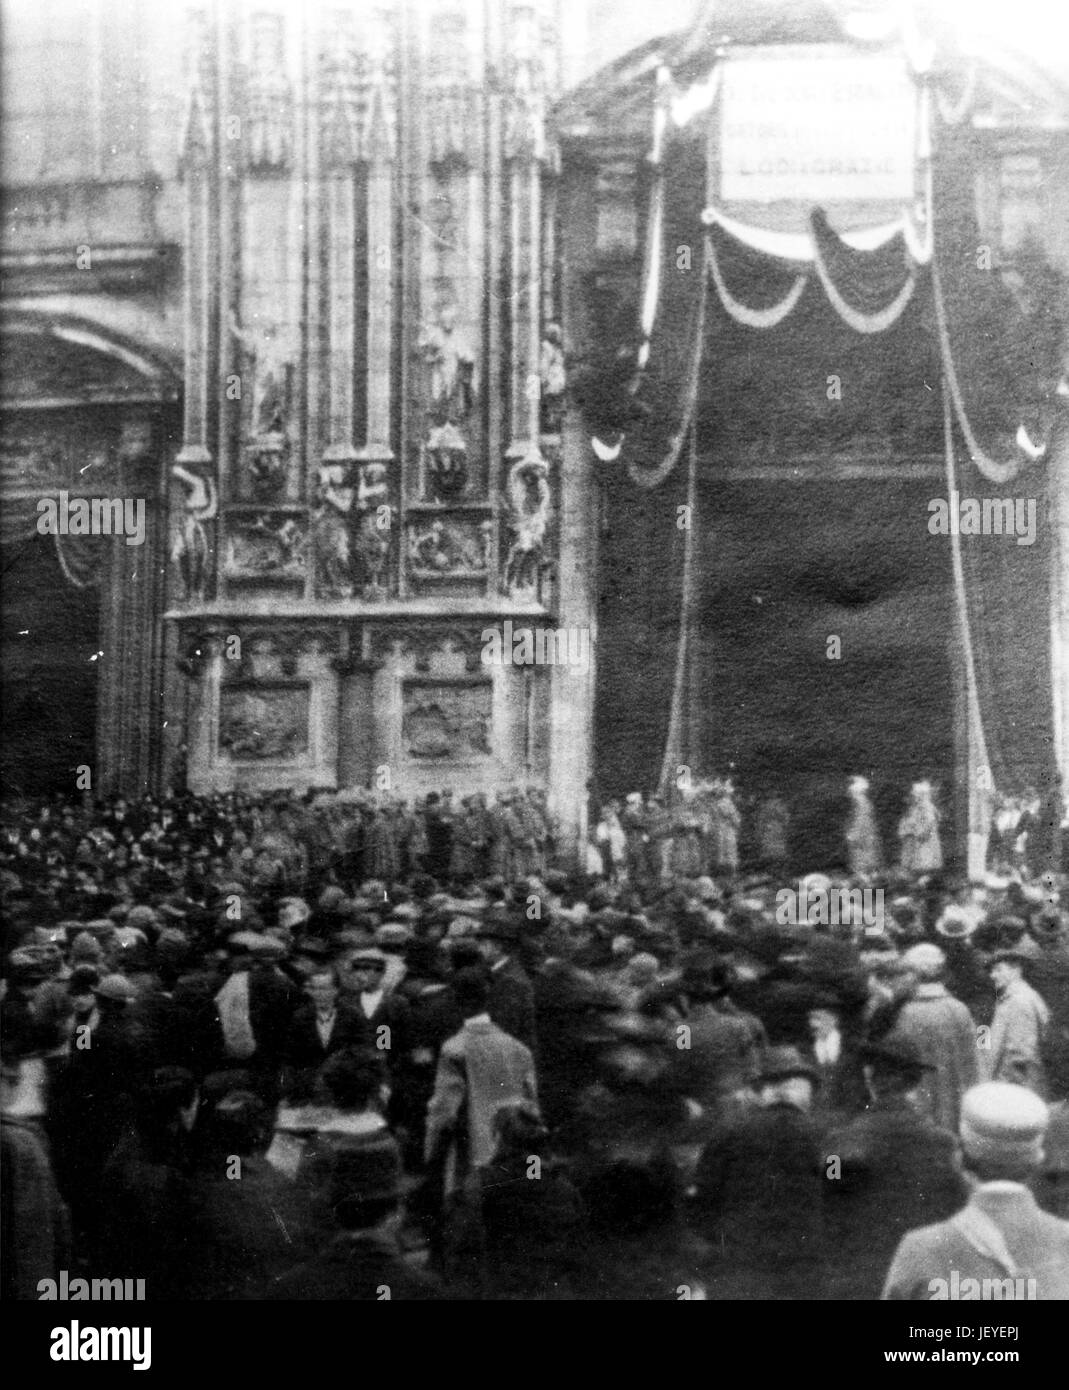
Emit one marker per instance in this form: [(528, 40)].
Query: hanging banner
[(816, 125)]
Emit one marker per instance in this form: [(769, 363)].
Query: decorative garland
[(742, 313), (954, 114), (80, 566), (861, 322), (972, 695), (673, 745), (991, 469), (649, 478)]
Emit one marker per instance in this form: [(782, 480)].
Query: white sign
[(818, 127)]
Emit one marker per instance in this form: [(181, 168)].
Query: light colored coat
[(918, 831), (485, 1066), (864, 851), (1017, 1029), (1036, 1242), (945, 1035)]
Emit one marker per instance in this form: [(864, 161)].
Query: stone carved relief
[(453, 546), (422, 643), (270, 545), (191, 545), (262, 722), (528, 509), (446, 722), (351, 532)]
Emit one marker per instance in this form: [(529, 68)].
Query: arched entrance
[(85, 422)]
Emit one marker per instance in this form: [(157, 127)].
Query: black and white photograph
[(535, 663)]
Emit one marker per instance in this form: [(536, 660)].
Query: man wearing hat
[(1001, 1244), (364, 1190), (1018, 1028), (760, 1189), (888, 1169), (511, 1003), (363, 977), (321, 1027), (944, 1033), (722, 1063)]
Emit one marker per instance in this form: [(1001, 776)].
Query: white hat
[(925, 959), (1001, 1122)]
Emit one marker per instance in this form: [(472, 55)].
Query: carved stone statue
[(270, 369), (331, 544), (553, 379), (447, 462), (527, 496), (450, 364), (191, 548), (371, 542)]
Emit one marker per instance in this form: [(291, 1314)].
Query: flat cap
[(1004, 1123)]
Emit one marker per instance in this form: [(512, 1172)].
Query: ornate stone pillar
[(195, 503)]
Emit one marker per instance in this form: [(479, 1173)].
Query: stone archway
[(85, 418)]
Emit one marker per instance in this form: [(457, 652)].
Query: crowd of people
[(278, 1047)]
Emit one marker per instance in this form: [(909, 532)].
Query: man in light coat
[(1001, 1244), (479, 1068), (944, 1033), (1018, 1027)]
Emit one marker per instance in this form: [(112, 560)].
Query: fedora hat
[(781, 1063)]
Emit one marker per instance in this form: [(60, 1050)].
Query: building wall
[(340, 234)]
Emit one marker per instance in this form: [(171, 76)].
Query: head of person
[(471, 990), (81, 990), (1002, 1130), (893, 1068), (925, 961), (497, 937), (166, 1106), (321, 987), (365, 970), (114, 995), (238, 1123), (1006, 969), (787, 1079), (354, 1079)]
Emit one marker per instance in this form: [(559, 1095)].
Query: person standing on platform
[(773, 833), (864, 852), (724, 821), (633, 819), (918, 832)]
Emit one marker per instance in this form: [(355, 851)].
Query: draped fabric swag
[(698, 259)]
